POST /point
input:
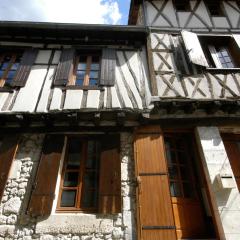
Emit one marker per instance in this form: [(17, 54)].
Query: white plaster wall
[(28, 95), (169, 18), (216, 161)]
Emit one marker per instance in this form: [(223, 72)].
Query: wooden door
[(155, 215), (232, 145), (187, 207)]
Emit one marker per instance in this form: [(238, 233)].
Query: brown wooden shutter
[(44, 186), (108, 65), (110, 176), (233, 151), (8, 149), (24, 69), (155, 214), (65, 67)]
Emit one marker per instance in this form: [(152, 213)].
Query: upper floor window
[(214, 8), (9, 63), (86, 70), (183, 6), (221, 52)]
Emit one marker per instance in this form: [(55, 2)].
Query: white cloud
[(69, 11)]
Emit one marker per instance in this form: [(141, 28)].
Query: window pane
[(181, 157), (184, 173), (173, 172), (94, 66), (1, 73), (80, 74), (82, 66), (89, 199), (11, 74), (74, 153), (4, 65), (227, 59), (90, 181), (93, 82), (93, 74), (68, 198), (70, 179), (79, 82), (230, 65), (95, 59), (175, 189), (92, 155)]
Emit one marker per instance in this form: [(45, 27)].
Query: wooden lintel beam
[(121, 117), (97, 118)]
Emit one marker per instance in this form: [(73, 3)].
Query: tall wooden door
[(187, 207), (155, 215), (232, 145)]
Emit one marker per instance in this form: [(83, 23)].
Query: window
[(9, 63), (86, 70), (221, 52), (179, 167), (79, 183), (215, 8), (183, 6)]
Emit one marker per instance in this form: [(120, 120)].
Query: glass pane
[(4, 65), (227, 59), (188, 191), (184, 173), (173, 172), (70, 179), (93, 74), (175, 189), (222, 60), (89, 199), (224, 65), (181, 157), (81, 66), (225, 53), (179, 143), (93, 82), (80, 74), (1, 73), (15, 66), (230, 65), (92, 154), (79, 82), (74, 153), (94, 66), (11, 74), (90, 181), (68, 198)]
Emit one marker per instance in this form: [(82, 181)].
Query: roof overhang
[(71, 33)]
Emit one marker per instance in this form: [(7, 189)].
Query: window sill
[(223, 69), (6, 89), (83, 87)]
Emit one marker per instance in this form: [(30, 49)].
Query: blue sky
[(66, 11)]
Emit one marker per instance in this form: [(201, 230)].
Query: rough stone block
[(12, 206)]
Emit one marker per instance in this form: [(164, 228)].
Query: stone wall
[(15, 224), (216, 162)]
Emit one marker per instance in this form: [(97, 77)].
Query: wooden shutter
[(108, 65), (65, 67), (44, 186), (110, 176), (154, 207), (194, 49), (237, 39), (8, 149), (24, 69)]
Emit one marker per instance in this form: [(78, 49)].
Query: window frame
[(14, 55), (81, 172), (72, 80)]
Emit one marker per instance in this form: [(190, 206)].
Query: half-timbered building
[(187, 156), (70, 96)]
